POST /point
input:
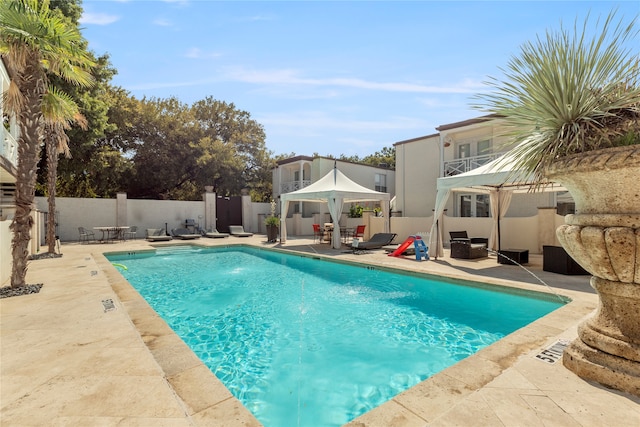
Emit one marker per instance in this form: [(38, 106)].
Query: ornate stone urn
[(604, 237)]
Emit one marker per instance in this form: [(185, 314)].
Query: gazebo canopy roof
[(334, 184)]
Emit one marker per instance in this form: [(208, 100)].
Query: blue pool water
[(307, 342)]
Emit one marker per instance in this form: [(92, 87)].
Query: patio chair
[(238, 231), (377, 241), (463, 247), (359, 233), (214, 234), (184, 234), (131, 233), (317, 233), (86, 235), (157, 235)]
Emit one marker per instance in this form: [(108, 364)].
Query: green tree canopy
[(177, 149), (386, 156)]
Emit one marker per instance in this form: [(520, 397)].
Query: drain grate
[(108, 305), (553, 353)]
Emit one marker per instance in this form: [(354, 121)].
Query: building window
[(484, 147), (479, 148), (474, 205), (464, 150), (381, 183)]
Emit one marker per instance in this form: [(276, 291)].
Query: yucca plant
[(566, 93)]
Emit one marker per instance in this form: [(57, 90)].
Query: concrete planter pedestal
[(604, 238)]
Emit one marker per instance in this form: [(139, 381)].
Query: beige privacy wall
[(89, 213)]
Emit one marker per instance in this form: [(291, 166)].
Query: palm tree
[(35, 41), (59, 111)]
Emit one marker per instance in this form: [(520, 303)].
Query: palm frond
[(58, 106), (29, 25)]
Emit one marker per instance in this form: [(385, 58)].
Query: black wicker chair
[(463, 247)]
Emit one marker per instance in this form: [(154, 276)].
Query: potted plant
[(355, 211), (272, 222), (572, 105)]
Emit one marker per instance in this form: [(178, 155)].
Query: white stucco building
[(457, 148)]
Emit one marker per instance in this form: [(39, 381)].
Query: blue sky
[(325, 77)]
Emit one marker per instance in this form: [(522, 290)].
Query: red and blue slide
[(421, 248)]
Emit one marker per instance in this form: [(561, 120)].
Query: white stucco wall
[(5, 252), (417, 169), (89, 213)]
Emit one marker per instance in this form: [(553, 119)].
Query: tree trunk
[(28, 150), (52, 167)]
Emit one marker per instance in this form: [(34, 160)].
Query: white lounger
[(238, 231), (157, 235), (215, 234)]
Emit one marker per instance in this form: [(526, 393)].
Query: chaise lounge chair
[(377, 241), (463, 247), (157, 235), (214, 234), (238, 231), (184, 234)]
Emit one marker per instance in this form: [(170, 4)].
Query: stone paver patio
[(67, 360)]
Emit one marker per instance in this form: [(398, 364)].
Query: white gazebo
[(335, 189), (498, 178)]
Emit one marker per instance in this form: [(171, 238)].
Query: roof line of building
[(468, 122)]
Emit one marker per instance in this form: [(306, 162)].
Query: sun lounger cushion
[(238, 231), (215, 234), (184, 234), (157, 235)]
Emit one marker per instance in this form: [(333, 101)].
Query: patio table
[(346, 233), (111, 233)]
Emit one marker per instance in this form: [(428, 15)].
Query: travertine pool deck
[(67, 359)]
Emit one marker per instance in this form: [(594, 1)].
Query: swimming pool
[(303, 341)]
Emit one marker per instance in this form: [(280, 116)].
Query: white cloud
[(98, 18), (291, 77), (320, 120), (256, 18), (162, 22), (197, 53)]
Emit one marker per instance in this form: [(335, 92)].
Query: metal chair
[(86, 235), (359, 233), (317, 233), (131, 233)]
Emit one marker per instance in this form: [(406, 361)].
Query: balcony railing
[(458, 166), (9, 148), (288, 187)]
